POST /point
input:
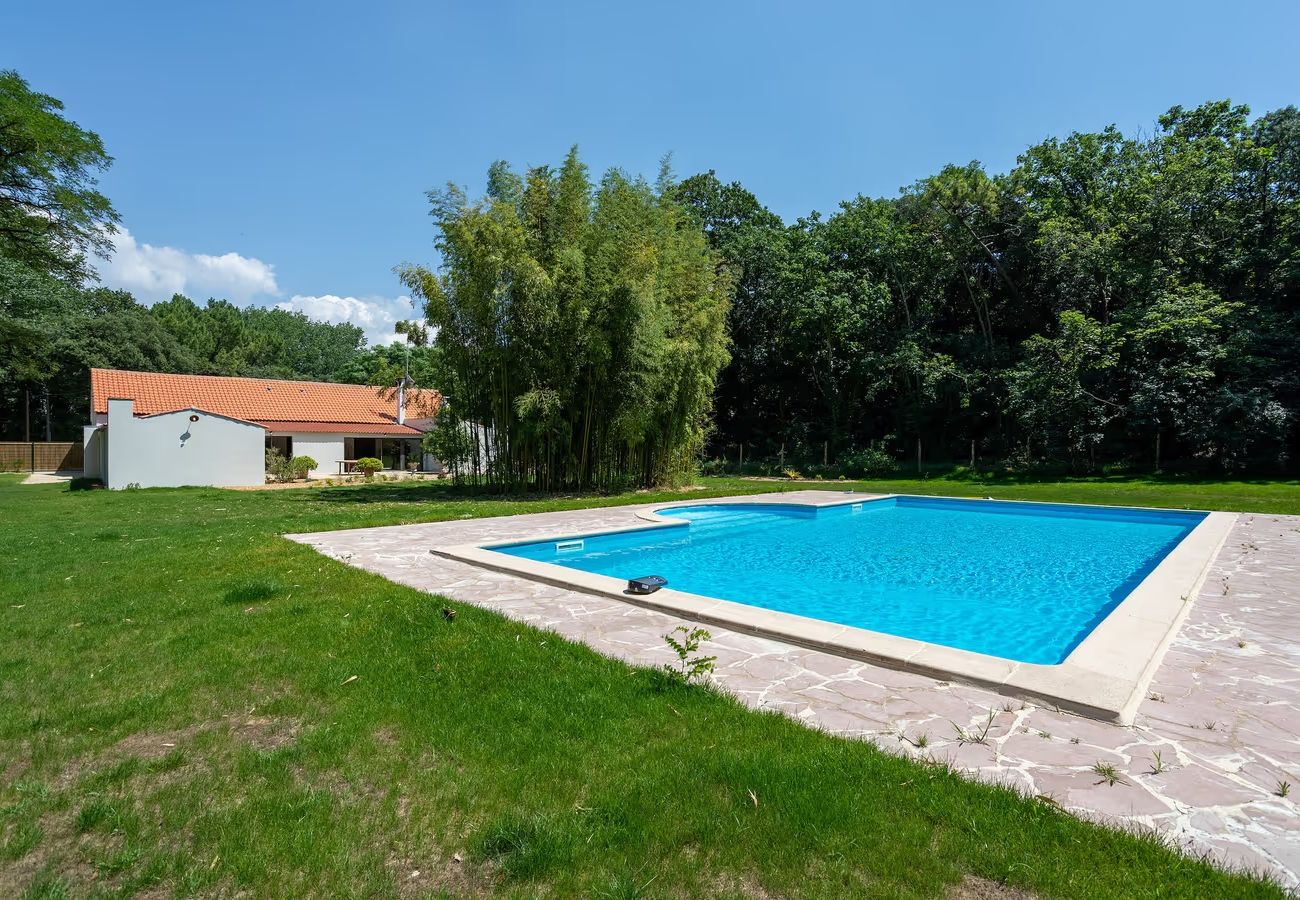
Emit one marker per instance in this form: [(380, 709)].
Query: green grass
[(179, 714)]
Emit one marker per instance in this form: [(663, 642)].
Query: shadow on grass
[(1171, 479), (435, 492)]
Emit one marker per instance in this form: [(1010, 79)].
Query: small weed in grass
[(120, 771), (524, 848), (47, 886), (169, 763), (118, 861), (21, 840), (253, 591), (93, 815), (627, 887)]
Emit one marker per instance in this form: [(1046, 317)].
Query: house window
[(283, 443)]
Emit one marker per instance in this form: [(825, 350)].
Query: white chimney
[(401, 402)]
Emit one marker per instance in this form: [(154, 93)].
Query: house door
[(362, 446), (283, 443)]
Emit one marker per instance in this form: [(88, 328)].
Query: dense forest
[(1114, 301), (52, 333)]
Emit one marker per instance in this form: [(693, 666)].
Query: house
[(158, 430)]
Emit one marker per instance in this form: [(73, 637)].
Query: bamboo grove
[(581, 329)]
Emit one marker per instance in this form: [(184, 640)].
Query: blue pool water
[(1024, 581)]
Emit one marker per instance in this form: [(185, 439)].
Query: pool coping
[(1105, 677)]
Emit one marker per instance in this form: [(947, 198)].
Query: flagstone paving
[(1205, 762)]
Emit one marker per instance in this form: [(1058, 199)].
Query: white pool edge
[(1105, 677)]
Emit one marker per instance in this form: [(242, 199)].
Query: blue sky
[(279, 153)]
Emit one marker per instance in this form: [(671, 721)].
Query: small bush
[(302, 466), (278, 467), (712, 467), (869, 462), (691, 665), (368, 466)]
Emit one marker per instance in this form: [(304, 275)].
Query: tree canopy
[(51, 215), (1111, 299)]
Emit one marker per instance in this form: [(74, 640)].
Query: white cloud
[(376, 316), (155, 273)]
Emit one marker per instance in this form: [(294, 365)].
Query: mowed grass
[(191, 704)]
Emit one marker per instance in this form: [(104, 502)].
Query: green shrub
[(277, 466), (691, 665), (368, 466), (868, 462), (713, 467), (302, 465)]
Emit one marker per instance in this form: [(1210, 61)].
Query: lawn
[(191, 704)]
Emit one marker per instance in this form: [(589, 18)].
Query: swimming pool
[(1026, 582), (1072, 605)]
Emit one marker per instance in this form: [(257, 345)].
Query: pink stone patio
[(1217, 735)]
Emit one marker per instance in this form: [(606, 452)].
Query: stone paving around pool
[(1206, 761)]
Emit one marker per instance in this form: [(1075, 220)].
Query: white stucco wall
[(168, 450), (93, 446), (326, 449)]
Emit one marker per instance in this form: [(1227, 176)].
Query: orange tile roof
[(278, 405)]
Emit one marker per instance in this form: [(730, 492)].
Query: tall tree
[(51, 215), (757, 388)]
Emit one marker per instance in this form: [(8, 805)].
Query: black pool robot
[(647, 584)]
